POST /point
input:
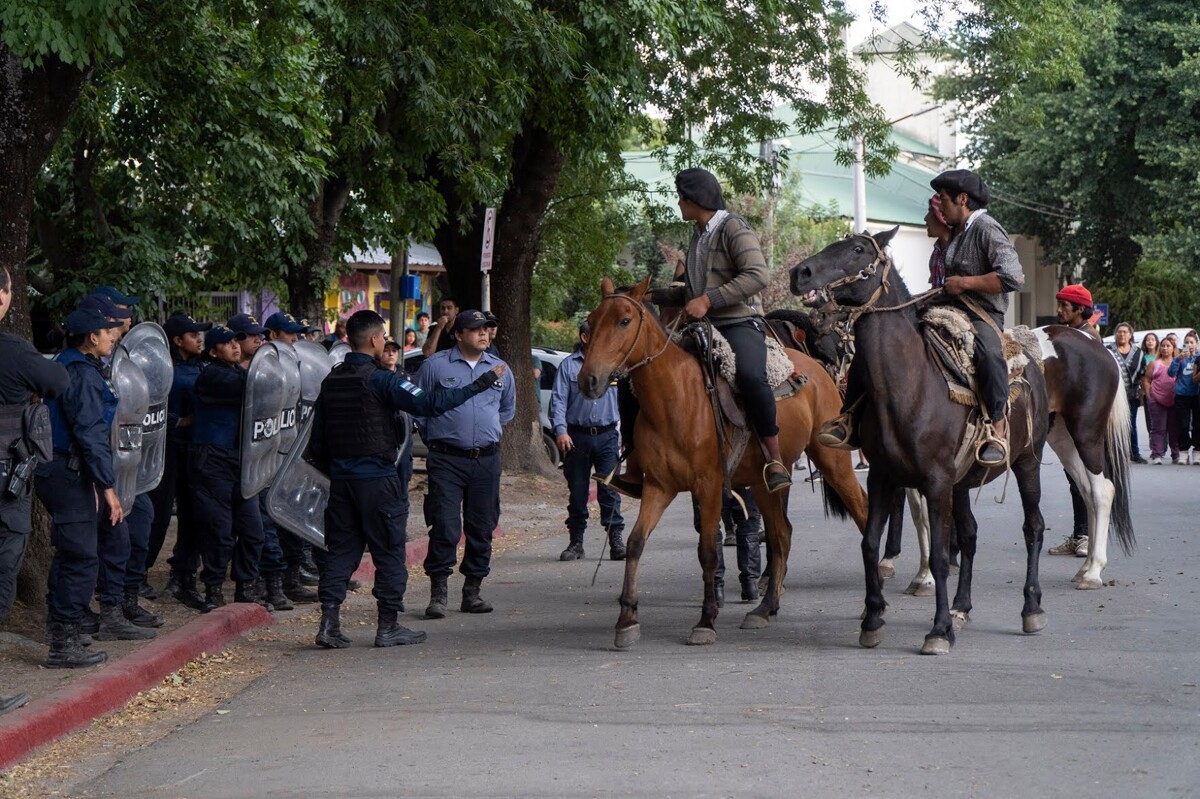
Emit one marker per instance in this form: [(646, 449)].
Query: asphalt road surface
[(532, 700)]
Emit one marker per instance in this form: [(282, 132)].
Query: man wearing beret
[(722, 278)]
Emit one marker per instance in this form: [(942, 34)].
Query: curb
[(414, 555), (115, 683)]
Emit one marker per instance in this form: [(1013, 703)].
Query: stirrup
[(992, 440), (836, 433), (776, 481)]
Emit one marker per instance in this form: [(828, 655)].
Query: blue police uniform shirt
[(217, 413), (84, 415), (480, 420), (181, 398), (568, 406)]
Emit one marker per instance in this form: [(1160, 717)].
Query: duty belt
[(477, 452), (594, 430)]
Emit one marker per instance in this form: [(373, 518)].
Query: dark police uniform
[(354, 433), (592, 426), (463, 466), (230, 525)]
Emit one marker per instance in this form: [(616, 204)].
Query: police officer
[(250, 335), (25, 379), (463, 464), (187, 344), (232, 528), (355, 439), (77, 485), (586, 434)]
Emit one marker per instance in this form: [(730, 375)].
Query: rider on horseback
[(724, 274), (981, 269)]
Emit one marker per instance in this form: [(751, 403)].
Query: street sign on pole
[(489, 240)]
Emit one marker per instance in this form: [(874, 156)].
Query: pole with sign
[(485, 258)]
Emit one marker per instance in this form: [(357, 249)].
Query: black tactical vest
[(11, 428), (357, 424)]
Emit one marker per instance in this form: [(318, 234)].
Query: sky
[(895, 12)]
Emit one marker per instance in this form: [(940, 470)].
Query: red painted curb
[(414, 554), (113, 684)]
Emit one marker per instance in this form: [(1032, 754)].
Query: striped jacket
[(728, 266)]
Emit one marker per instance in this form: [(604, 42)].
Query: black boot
[(115, 627), (294, 587), (719, 585), (472, 602), (147, 591), (184, 591), (214, 598), (308, 576), (439, 597), (252, 592), (172, 586), (12, 702), (275, 596), (616, 547), (136, 613), (91, 621), (65, 650), (574, 550), (329, 634), (749, 555), (389, 633)]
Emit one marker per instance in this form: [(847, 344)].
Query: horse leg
[(1098, 492), (839, 475), (891, 550), (941, 637), (654, 503), (1028, 471), (708, 503), (922, 582), (966, 531), (880, 501), (779, 543)]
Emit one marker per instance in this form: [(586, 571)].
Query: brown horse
[(677, 440)]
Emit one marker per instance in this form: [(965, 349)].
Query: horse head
[(847, 272), (615, 336)]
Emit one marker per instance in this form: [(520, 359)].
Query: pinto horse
[(680, 449), (913, 433)]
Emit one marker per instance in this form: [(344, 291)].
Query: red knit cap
[(935, 205), (1076, 293)]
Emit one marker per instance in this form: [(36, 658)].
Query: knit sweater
[(725, 263), (981, 249)]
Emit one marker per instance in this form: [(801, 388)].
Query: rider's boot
[(776, 474), (994, 449), (629, 483), (838, 432)]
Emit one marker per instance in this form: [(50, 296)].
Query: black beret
[(701, 187), (958, 181)]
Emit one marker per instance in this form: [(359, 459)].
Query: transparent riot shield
[(267, 392), (338, 352), (146, 345), (299, 492), (133, 403)]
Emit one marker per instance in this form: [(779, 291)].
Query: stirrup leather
[(837, 432)]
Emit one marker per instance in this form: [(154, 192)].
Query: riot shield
[(299, 492), (267, 390), (314, 366), (146, 345), (133, 403), (338, 352), (288, 417)]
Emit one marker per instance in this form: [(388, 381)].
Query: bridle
[(620, 367)]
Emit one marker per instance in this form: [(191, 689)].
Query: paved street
[(532, 701)]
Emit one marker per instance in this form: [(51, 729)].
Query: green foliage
[(76, 32), (1161, 294)]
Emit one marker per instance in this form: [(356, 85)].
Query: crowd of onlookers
[(1160, 376)]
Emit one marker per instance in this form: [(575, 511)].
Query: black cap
[(219, 334), (391, 342), (116, 297), (492, 321), (98, 302), (180, 323), (470, 320), (959, 181), (246, 324), (701, 187), (281, 322), (87, 320)]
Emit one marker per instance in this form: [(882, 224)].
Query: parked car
[(550, 358)]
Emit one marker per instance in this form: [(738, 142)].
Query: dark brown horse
[(680, 450), (913, 433)]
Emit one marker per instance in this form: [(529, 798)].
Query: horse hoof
[(628, 636), (886, 571), (1089, 584), (919, 589), (753, 621), (936, 646), (869, 639), (960, 619), (702, 636), (1034, 623)]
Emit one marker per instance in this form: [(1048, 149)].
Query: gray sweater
[(727, 265), (983, 248)]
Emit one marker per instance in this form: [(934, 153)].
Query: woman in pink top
[(1159, 389)]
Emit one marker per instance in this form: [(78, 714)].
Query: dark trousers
[(1185, 418), (1133, 427), (70, 497), (365, 514), (112, 547), (139, 520), (463, 498), (591, 453), (14, 536), (991, 372), (272, 561), (231, 525), (1078, 511), (175, 491), (748, 340), (748, 529)]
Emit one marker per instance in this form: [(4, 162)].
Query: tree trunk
[(34, 108), (306, 280)]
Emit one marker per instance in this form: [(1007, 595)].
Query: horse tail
[(1116, 467), (835, 507)]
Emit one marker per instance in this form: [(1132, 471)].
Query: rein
[(638, 336)]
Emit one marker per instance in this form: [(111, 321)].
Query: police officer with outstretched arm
[(463, 464), (25, 379), (355, 439)]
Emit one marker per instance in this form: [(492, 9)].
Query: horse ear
[(607, 288), (884, 237), (640, 290)]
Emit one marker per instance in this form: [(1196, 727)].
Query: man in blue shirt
[(586, 434), (355, 442), (463, 464)]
